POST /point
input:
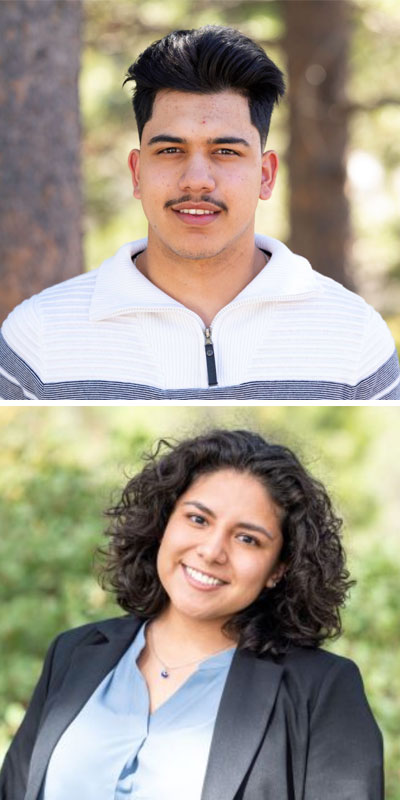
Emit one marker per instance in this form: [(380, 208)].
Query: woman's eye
[(197, 519), (247, 539)]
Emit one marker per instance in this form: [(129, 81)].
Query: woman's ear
[(276, 575)]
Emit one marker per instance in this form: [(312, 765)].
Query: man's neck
[(202, 285)]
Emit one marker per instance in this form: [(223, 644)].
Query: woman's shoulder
[(313, 657), (314, 660), (114, 627), (313, 670)]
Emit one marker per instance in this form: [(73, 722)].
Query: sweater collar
[(120, 288)]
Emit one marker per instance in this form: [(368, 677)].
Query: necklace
[(165, 672)]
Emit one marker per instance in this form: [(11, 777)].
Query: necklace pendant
[(164, 673)]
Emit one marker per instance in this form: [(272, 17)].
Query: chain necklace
[(165, 672)]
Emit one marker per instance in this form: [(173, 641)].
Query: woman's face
[(220, 547)]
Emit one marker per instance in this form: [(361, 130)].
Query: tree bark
[(317, 45), (40, 198)]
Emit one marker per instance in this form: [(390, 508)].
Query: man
[(202, 309)]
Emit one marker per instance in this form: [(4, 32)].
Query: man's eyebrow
[(248, 525), (166, 137), (228, 140)]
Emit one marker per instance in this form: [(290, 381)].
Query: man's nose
[(197, 176)]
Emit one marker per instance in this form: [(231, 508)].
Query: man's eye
[(227, 152), (169, 150)]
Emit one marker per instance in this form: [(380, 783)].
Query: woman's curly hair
[(304, 607)]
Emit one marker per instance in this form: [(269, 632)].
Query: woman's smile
[(201, 580), (220, 547)]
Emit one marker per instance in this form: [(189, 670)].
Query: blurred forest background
[(337, 132), (61, 467)]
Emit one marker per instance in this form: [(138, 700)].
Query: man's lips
[(196, 213), (202, 206), (188, 218)]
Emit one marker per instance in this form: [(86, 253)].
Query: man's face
[(200, 153)]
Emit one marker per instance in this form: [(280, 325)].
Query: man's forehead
[(186, 110)]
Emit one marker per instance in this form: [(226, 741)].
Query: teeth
[(206, 579), (195, 211)]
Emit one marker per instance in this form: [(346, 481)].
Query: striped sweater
[(110, 334)]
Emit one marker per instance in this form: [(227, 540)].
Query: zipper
[(210, 359)]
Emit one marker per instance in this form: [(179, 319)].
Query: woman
[(226, 554)]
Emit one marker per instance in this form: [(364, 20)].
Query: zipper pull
[(210, 359)]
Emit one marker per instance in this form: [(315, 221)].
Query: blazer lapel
[(90, 663), (242, 719)]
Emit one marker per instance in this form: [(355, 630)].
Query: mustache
[(205, 198)]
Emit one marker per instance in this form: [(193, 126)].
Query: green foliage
[(59, 468)]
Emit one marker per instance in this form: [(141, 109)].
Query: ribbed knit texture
[(111, 334)]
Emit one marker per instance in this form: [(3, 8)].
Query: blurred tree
[(40, 203), (317, 47)]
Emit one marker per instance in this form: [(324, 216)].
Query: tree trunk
[(317, 44), (40, 199)]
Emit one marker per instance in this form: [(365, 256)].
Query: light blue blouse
[(116, 750)]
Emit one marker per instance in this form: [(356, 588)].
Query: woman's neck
[(174, 633)]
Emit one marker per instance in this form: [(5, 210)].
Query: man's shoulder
[(341, 311), (79, 286), (76, 292), (30, 313), (294, 278), (335, 292), (70, 298)]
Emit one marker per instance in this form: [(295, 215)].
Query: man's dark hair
[(207, 60), (304, 607)]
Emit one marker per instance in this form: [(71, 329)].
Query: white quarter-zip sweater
[(110, 334)]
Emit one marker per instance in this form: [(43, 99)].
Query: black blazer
[(297, 729)]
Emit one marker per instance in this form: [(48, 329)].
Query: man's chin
[(197, 253), (201, 248)]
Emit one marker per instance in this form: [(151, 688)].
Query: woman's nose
[(197, 177), (213, 548)]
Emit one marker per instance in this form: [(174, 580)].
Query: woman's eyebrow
[(257, 528), (248, 525), (200, 506)]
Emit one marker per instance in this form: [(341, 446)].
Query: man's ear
[(276, 575), (134, 163), (269, 169)]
